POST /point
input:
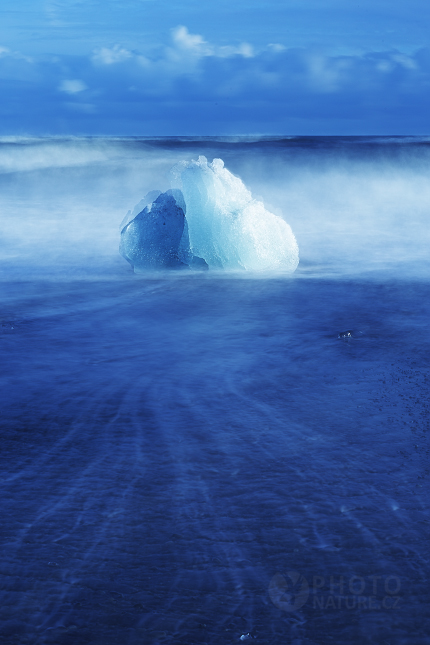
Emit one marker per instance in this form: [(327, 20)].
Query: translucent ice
[(226, 226), (155, 238), (208, 219), (148, 199)]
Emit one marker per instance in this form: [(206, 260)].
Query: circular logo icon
[(289, 595)]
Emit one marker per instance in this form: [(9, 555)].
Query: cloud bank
[(192, 86)]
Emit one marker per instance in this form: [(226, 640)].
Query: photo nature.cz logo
[(291, 592)]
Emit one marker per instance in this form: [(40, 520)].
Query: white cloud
[(6, 52), (182, 55), (385, 66), (276, 47), (323, 74), (191, 66), (188, 72), (72, 86), (194, 43), (405, 61), (106, 56), (244, 49)]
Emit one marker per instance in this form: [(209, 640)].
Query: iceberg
[(208, 219)]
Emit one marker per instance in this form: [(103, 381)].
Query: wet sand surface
[(173, 450)]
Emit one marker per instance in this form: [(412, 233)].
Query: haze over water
[(192, 458)]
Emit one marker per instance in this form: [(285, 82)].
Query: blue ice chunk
[(226, 226), (184, 251), (210, 219), (177, 194), (148, 199), (156, 236), (153, 239)]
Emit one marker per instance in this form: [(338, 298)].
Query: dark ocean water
[(188, 458)]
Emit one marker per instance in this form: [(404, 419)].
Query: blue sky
[(157, 67)]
